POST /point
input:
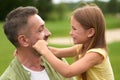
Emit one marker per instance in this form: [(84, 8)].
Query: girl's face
[(78, 33)]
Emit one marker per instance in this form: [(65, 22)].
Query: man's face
[(38, 31)]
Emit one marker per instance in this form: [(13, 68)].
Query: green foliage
[(50, 11), (102, 5), (58, 12), (44, 7), (112, 6), (61, 9), (7, 5)]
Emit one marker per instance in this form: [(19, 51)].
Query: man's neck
[(30, 60)]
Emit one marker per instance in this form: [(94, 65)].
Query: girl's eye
[(74, 28)]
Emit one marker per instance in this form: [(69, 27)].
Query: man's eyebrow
[(42, 24), (41, 27)]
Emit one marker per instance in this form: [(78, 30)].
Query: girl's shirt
[(102, 71)]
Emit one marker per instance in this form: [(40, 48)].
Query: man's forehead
[(42, 21)]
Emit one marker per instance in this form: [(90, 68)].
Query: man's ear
[(23, 41), (91, 32)]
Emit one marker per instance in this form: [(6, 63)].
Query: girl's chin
[(75, 42)]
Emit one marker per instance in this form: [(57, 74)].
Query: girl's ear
[(91, 32), (23, 41)]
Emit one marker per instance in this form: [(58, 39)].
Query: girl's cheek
[(77, 33)]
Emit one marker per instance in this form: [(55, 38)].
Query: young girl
[(88, 33)]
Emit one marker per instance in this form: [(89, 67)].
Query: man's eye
[(40, 30)]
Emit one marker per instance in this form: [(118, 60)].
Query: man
[(23, 27)]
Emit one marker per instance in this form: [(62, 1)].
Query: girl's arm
[(64, 52), (64, 69)]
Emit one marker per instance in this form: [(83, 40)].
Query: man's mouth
[(45, 38)]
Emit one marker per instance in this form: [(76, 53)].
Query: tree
[(112, 6), (44, 6)]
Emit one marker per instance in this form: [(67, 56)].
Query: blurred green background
[(57, 18)]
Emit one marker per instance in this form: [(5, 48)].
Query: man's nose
[(47, 32)]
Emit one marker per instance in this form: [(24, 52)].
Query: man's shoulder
[(15, 71), (7, 73)]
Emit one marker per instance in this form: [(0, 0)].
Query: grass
[(62, 28), (112, 21), (114, 50)]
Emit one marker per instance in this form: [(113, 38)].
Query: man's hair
[(16, 21)]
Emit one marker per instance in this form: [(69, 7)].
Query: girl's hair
[(91, 16)]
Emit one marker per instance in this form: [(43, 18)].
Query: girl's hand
[(40, 46)]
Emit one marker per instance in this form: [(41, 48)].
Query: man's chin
[(37, 54)]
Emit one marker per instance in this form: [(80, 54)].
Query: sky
[(58, 1)]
